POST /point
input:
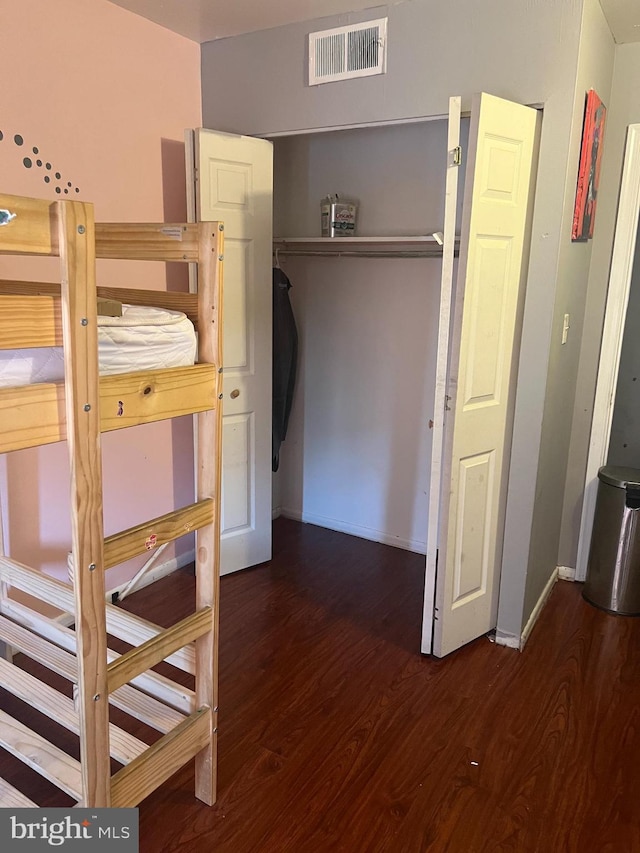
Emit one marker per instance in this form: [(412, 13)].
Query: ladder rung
[(146, 772), (140, 659), (151, 534)]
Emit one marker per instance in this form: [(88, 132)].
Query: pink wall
[(105, 97)]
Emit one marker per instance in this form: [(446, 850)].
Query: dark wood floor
[(337, 735)]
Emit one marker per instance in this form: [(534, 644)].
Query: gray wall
[(520, 49), (595, 70), (526, 50), (624, 109)]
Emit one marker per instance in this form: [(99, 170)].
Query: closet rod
[(391, 253)]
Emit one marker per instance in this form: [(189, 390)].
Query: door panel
[(238, 319), (481, 363), (235, 185), (237, 504)]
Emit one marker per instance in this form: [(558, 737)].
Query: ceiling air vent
[(346, 52)]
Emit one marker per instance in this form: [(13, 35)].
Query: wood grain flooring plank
[(337, 735)]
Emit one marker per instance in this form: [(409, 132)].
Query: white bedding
[(143, 338)]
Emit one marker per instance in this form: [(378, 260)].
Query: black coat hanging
[(285, 357)]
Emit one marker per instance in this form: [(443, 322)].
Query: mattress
[(143, 338)]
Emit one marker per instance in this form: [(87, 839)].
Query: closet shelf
[(427, 246)]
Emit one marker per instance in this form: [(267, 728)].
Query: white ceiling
[(623, 17), (205, 20)]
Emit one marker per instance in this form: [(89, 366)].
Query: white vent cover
[(357, 50)]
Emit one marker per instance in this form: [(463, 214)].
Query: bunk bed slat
[(57, 706), (42, 756), (145, 537), (31, 415), (134, 630), (143, 775), (61, 596), (147, 241), (34, 231), (125, 626), (11, 798), (136, 661), (144, 708)]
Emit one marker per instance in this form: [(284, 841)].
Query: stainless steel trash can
[(613, 571)]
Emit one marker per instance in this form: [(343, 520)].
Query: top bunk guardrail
[(32, 227)]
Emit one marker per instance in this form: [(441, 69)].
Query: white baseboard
[(276, 512), (537, 610), (356, 530), (505, 639), (566, 573), (162, 570), (513, 641)]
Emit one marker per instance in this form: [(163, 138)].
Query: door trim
[(622, 260)]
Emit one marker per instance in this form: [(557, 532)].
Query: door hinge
[(457, 155), (447, 407), (435, 609)]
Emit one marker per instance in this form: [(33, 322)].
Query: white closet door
[(477, 434), (235, 184), (440, 404)]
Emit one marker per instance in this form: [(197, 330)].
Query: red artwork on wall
[(589, 170)]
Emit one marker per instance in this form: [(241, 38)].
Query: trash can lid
[(616, 475)]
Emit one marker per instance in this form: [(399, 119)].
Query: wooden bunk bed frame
[(78, 410)]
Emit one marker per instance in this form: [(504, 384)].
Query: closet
[(358, 450), (379, 357), (386, 340)]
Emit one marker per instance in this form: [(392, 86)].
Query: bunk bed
[(77, 410)]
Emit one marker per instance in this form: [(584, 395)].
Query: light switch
[(565, 329)]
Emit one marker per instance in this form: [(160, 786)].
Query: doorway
[(620, 278)]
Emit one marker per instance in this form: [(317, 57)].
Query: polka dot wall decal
[(29, 162)]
